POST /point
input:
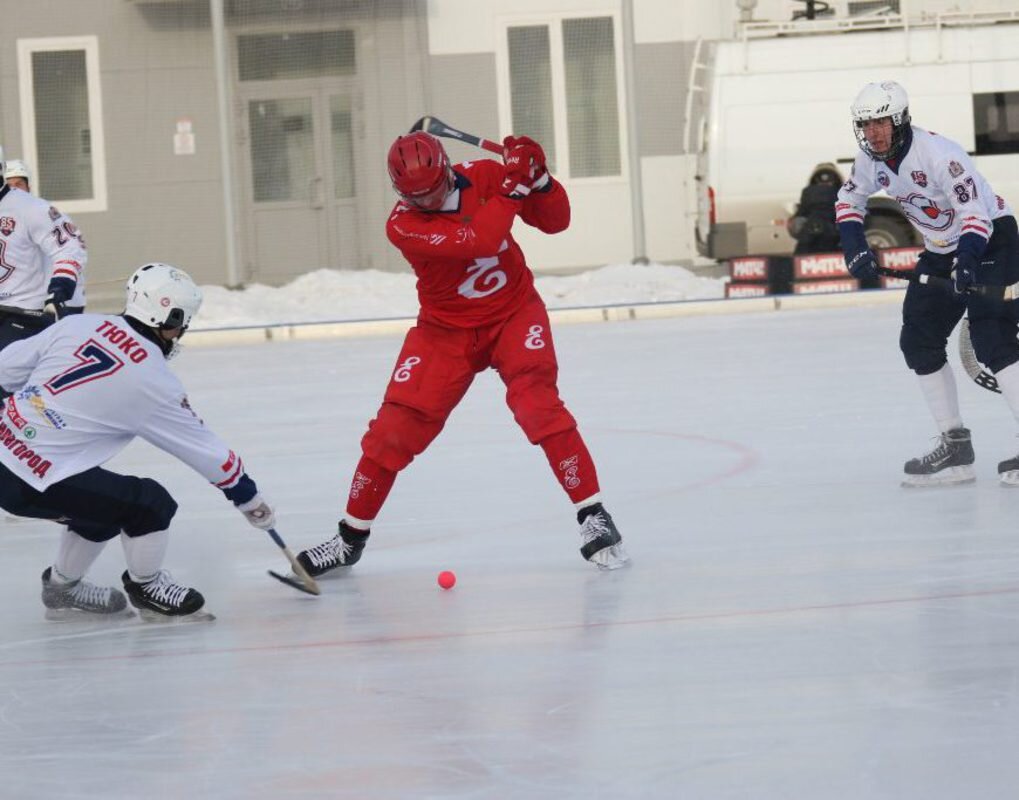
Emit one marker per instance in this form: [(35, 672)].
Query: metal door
[(301, 183)]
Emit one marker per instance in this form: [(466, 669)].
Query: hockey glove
[(258, 513), (538, 170), (964, 270), (60, 291), (519, 174), (863, 265)]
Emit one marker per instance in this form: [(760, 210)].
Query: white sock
[(588, 501), (75, 555), (942, 396), (1008, 381), (145, 554), (363, 525)]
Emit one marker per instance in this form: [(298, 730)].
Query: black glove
[(863, 265), (61, 290), (964, 269)]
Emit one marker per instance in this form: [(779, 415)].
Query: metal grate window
[(282, 56), (996, 122)]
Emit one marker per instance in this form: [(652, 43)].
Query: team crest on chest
[(919, 178), (925, 212), (7, 225), (882, 178)]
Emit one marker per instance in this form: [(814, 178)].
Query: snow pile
[(328, 295)]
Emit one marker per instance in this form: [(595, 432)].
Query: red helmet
[(420, 170)]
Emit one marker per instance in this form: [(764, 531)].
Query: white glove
[(258, 513)]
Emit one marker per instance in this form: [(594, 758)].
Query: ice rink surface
[(794, 624)]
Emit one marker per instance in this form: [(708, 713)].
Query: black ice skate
[(343, 550), (80, 599), (950, 462), (1008, 471), (162, 600), (601, 543)]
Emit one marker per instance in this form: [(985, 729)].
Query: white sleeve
[(851, 205), (176, 429), (59, 240), (18, 359)]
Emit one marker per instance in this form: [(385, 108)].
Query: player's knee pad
[(994, 343), (151, 509), (923, 355), (536, 405), (399, 434)]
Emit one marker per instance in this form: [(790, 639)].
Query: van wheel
[(883, 231)]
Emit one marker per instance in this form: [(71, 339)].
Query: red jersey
[(470, 270)]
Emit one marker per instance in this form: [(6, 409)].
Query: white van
[(779, 105)]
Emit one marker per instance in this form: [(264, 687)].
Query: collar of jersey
[(451, 205), (894, 164)]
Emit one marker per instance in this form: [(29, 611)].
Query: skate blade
[(614, 557), (295, 582), (954, 476), (155, 618), (1010, 478), (80, 615)]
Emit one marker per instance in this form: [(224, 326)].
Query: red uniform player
[(479, 309)]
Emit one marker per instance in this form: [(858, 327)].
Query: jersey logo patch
[(955, 169), (882, 178), (7, 225), (925, 212), (54, 214), (919, 178)]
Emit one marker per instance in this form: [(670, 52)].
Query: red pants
[(435, 368)]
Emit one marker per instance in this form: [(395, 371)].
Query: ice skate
[(81, 600), (343, 550), (950, 462), (162, 600), (601, 543), (1008, 472)]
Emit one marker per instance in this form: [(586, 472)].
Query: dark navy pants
[(96, 504), (930, 314)]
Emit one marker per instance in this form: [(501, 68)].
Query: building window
[(530, 67), (283, 56), (560, 84), (282, 149), (61, 119), (996, 122), (592, 114)]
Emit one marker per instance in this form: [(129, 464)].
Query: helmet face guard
[(879, 101), (420, 170)]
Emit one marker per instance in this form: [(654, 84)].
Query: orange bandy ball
[(447, 579)]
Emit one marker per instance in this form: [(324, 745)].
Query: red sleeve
[(548, 211), (437, 236)]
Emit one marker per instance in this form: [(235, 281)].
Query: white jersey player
[(82, 389), (42, 263), (18, 175), (969, 234)]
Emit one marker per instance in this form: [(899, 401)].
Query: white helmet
[(16, 168), (876, 101), (164, 297)]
